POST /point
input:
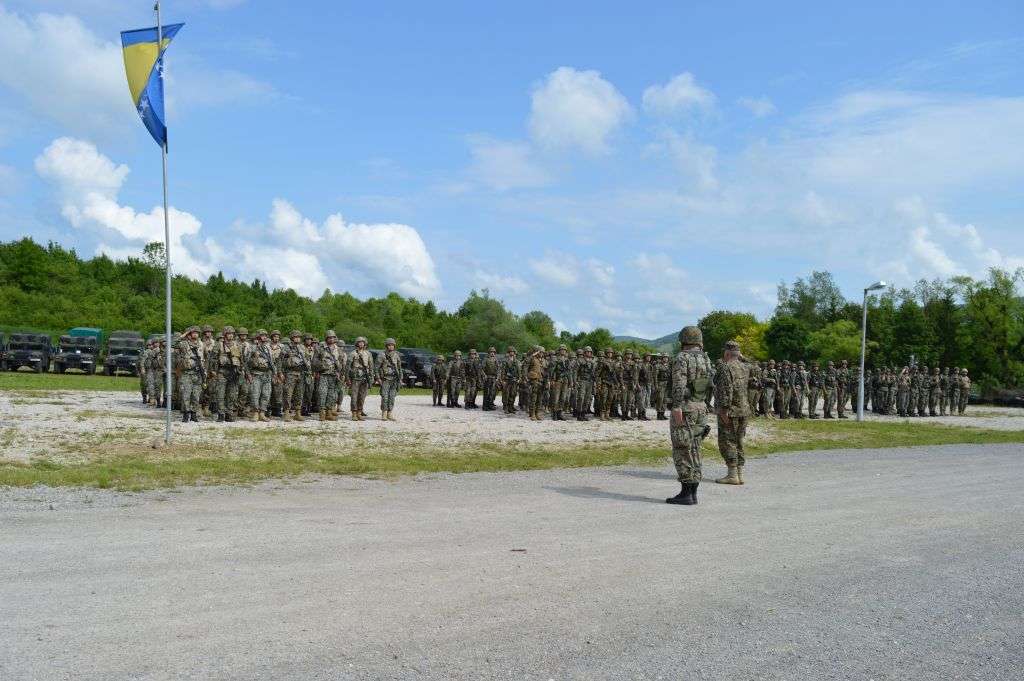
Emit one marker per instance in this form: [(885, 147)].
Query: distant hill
[(666, 343)]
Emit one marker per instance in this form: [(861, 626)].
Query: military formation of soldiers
[(791, 390), (234, 375)]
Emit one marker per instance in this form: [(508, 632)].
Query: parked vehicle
[(122, 355), (3, 351), (416, 365), (32, 350), (77, 352), (87, 332)]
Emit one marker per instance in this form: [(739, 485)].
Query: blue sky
[(627, 166)]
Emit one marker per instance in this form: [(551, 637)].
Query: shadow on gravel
[(596, 493), (647, 475)]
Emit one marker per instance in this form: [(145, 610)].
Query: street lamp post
[(863, 347)]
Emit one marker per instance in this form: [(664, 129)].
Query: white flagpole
[(168, 398)]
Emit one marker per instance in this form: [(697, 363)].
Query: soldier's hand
[(677, 417)]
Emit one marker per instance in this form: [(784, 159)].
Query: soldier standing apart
[(330, 367), (558, 373), (489, 370), (293, 362), (472, 378), (361, 376), (732, 410), (225, 366), (261, 373), (389, 370), (965, 392), (192, 371), (688, 426), (509, 381), (438, 378)]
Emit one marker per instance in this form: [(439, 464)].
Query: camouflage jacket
[(224, 356), (510, 369), (191, 357), (586, 370), (259, 359), (691, 380), (389, 365), (293, 358), (731, 388), (559, 369), (329, 359), (490, 366), (360, 366)]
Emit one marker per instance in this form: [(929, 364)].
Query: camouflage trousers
[(943, 401), (357, 393), (768, 400), (153, 386), (454, 390), (796, 402), (787, 396), (508, 396), (490, 390), (327, 392), (933, 402), (144, 383), (830, 402), (922, 402), (536, 399), (686, 441), (191, 386), (812, 401), (339, 394), (309, 402), (752, 397), (841, 398), (659, 397), (558, 391), (962, 404), (471, 389), (294, 391), (225, 391), (438, 391), (277, 395), (584, 396), (633, 400), (388, 393), (902, 402), (731, 430), (260, 389)]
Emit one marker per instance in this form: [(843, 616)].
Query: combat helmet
[(360, 338), (491, 349), (295, 333), (330, 334), (207, 327), (691, 335), (228, 329), (510, 348), (261, 332), (457, 353), (389, 341), (275, 332), (242, 331)]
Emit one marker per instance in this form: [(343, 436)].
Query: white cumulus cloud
[(560, 269), (759, 106), (504, 165), (580, 109), (679, 95), (500, 283)]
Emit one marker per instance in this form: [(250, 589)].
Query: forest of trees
[(961, 322), (51, 289), (978, 324)]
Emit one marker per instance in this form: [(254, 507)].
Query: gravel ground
[(72, 425), (870, 564)]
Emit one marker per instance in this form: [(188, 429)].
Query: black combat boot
[(582, 417), (195, 418), (229, 418), (220, 417), (643, 417), (185, 417), (685, 496)]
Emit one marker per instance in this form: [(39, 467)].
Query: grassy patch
[(123, 459), (20, 381)]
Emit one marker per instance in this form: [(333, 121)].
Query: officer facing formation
[(691, 382)]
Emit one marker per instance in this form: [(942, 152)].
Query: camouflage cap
[(207, 327), (228, 329), (732, 345), (295, 334), (588, 349), (691, 335), (963, 371), (390, 341), (242, 331), (330, 334)]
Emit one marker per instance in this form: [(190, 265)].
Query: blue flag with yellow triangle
[(144, 66)]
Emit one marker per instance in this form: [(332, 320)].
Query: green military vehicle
[(32, 350), (3, 351), (122, 356), (80, 353)]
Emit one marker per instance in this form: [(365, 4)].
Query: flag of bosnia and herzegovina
[(143, 63)]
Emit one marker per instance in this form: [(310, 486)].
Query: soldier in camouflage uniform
[(456, 378), (733, 411), (903, 388), (944, 391), (535, 368), (842, 388), (915, 391), (473, 378), (815, 382), (242, 403), (206, 338), (361, 375), (662, 376), (799, 388), (149, 372), (586, 373), (329, 365), (509, 381), (293, 362), (261, 371), (224, 364), (309, 397), (934, 392), (954, 391), (558, 377), (490, 370), (691, 380), (629, 386), (754, 389), (828, 385), (965, 392), (275, 408), (769, 384), (786, 389), (191, 368), (389, 371), (438, 379)]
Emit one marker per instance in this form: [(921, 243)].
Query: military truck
[(32, 350), (3, 351), (416, 365), (77, 352), (122, 356)]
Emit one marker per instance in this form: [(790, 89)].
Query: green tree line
[(962, 322), (50, 288)]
